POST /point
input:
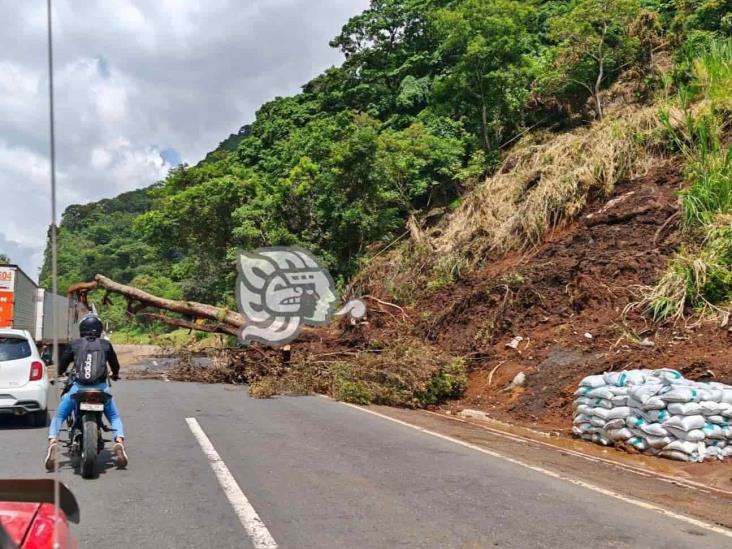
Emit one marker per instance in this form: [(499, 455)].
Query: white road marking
[(690, 484), (644, 505), (255, 528)]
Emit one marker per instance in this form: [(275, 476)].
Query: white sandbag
[(654, 416), (685, 408), (678, 393), (683, 446), (597, 422), (634, 422), (695, 435), (686, 423), (593, 381), (711, 408), (639, 443), (718, 420), (600, 438), (713, 454), (580, 401), (710, 395), (619, 434), (678, 456), (581, 418), (617, 391), (655, 429), (620, 400), (725, 409), (612, 413), (721, 443), (645, 395), (586, 428), (613, 424), (713, 431), (727, 396), (667, 375), (642, 393), (584, 410), (658, 442), (654, 403), (582, 391), (601, 392), (727, 451), (623, 379), (601, 403)]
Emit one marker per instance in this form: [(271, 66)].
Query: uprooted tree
[(206, 318)]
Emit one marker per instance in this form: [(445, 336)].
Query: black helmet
[(91, 325)]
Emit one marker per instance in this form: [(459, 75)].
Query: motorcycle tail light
[(92, 397)]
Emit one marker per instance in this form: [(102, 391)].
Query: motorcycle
[(86, 427)]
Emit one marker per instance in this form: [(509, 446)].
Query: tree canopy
[(428, 95)]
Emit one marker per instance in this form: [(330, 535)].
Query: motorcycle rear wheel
[(89, 446)]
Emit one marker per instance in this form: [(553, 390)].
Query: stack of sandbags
[(657, 412)]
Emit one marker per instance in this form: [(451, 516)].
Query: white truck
[(25, 306)]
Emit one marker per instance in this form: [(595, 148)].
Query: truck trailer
[(25, 306)]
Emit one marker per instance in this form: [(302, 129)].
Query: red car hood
[(16, 518)]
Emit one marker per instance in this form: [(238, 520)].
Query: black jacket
[(70, 352)]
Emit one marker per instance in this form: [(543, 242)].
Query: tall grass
[(700, 276)]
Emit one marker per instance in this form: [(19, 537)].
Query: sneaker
[(51, 455), (120, 456)]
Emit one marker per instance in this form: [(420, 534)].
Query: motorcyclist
[(89, 348)]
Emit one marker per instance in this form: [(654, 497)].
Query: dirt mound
[(566, 302)]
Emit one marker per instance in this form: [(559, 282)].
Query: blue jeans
[(66, 406)]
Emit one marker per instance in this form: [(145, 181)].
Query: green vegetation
[(4, 259), (701, 274), (407, 373), (430, 97)]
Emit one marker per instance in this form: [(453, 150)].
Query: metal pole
[(54, 257)]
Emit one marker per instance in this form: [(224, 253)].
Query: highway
[(212, 467)]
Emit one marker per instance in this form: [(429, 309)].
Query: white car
[(24, 383)]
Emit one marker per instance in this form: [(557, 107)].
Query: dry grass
[(546, 179), (544, 182), (406, 373)]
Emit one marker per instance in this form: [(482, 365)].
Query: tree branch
[(213, 327)]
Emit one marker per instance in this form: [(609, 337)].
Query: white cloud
[(135, 78)]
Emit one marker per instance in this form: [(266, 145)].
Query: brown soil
[(575, 285)]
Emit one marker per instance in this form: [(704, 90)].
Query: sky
[(140, 86)]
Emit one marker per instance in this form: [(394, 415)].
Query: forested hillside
[(432, 97)]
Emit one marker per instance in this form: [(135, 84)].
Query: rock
[(647, 342), (514, 343), (518, 381), (588, 335), (475, 414)]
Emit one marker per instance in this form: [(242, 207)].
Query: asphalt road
[(323, 475)]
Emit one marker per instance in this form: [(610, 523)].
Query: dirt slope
[(575, 285)]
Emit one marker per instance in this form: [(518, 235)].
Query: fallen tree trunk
[(221, 320)]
